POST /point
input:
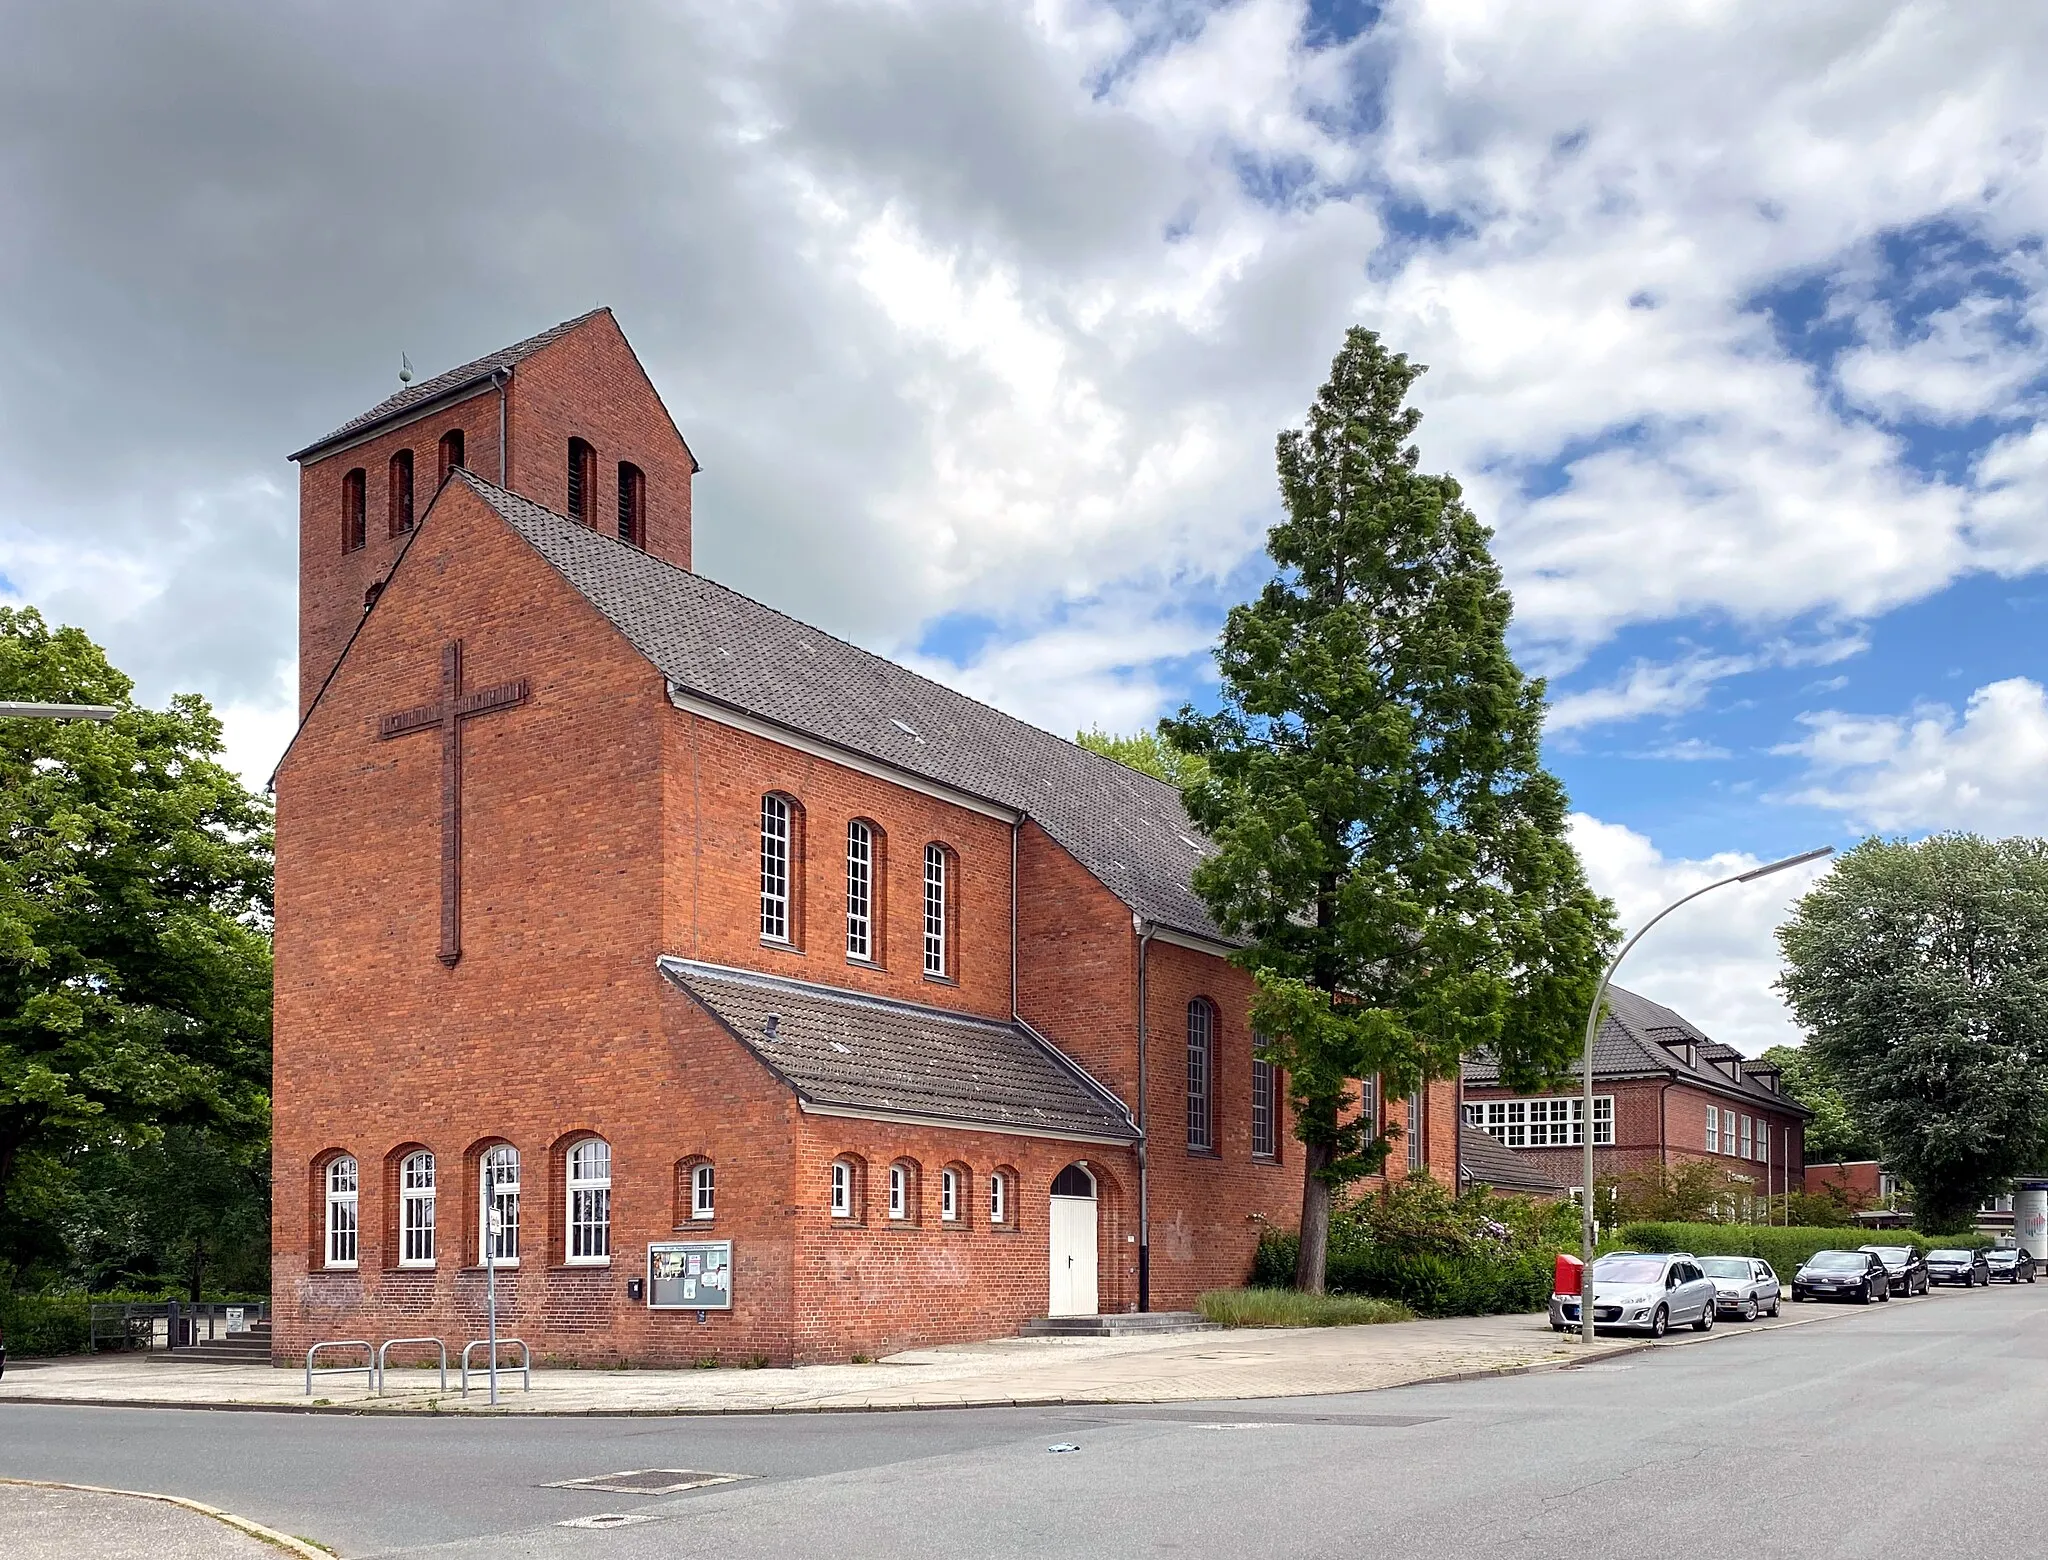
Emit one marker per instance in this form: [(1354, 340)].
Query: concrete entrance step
[(243, 1348), (1120, 1324)]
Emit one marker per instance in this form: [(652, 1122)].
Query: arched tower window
[(1201, 1075), (1265, 1109), (938, 908), (401, 492), (861, 839), (582, 480), (778, 860), (451, 454), (632, 504), (355, 492)]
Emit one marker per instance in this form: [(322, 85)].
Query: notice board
[(689, 1275)]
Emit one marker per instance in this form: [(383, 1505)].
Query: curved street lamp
[(1586, 1100)]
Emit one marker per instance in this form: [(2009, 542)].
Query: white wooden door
[(1073, 1257)]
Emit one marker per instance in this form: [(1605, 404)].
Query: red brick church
[(743, 993)]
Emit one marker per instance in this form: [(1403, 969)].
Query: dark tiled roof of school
[(1637, 1040), (859, 1053), (1126, 828), (443, 384), (1485, 1160)]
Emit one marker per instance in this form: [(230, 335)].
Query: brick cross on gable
[(448, 713)]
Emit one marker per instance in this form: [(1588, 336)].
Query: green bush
[(1291, 1308), (37, 1326), (1784, 1247)]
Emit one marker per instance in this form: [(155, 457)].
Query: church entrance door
[(1073, 1243)]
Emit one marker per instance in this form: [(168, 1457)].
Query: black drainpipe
[(1144, 929), (502, 378)]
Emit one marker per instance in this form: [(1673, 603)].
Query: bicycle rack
[(368, 1367), (524, 1367), (395, 1343)]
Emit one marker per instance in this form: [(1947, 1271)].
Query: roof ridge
[(487, 488)]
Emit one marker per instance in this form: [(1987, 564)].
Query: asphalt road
[(1903, 1420)]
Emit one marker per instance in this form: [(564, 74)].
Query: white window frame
[(1418, 1107), (1713, 1129), (998, 1200), (1550, 1121), (342, 1182), (775, 864), (860, 891), (842, 1189), (949, 1196), (936, 889), (703, 1191), (417, 1196), (1265, 1109), (1202, 1077), (1748, 1138), (899, 1192), (588, 1214), (498, 1176)]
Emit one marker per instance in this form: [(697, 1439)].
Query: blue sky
[(983, 317)]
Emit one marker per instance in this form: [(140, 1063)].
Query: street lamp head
[(33, 711), (1790, 861)]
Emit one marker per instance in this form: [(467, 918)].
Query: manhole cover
[(608, 1519), (646, 1481)]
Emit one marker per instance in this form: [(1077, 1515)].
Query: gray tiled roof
[(1631, 1044), (1126, 828), (442, 384), (868, 1054), (1484, 1159)]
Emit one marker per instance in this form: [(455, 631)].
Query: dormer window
[(401, 492), (582, 479), (632, 504)]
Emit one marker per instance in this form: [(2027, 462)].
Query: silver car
[(1643, 1292), (1744, 1286)]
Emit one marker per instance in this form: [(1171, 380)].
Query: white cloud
[(1714, 961), (1930, 770), (1645, 689)]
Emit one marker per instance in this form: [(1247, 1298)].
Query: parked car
[(2009, 1263), (1743, 1286), (1643, 1292), (1903, 1266), (1955, 1266), (1841, 1275)]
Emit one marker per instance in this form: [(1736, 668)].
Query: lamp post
[(1586, 1081), (31, 711)]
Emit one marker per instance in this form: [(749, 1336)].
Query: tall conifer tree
[(1386, 836)]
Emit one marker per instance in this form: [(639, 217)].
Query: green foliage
[(1835, 1134), (1148, 753), (38, 1326), (135, 882), (1292, 1308), (1387, 839), (1782, 1246), (1921, 972)]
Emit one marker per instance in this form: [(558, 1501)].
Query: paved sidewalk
[(43, 1523), (1247, 1363)]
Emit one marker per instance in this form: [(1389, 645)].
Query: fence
[(165, 1324)]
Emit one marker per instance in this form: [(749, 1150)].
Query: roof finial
[(404, 369)]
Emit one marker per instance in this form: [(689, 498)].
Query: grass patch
[(1291, 1308)]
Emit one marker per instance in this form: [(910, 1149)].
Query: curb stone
[(271, 1536)]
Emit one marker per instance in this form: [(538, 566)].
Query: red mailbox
[(1564, 1279)]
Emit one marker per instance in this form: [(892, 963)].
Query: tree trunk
[(1311, 1264)]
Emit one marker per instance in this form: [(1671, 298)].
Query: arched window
[(342, 1192), (777, 831), (355, 493), (938, 872), (903, 1191), (860, 891), (451, 454), (847, 1189), (401, 492), (590, 1201), (1074, 1181), (1265, 1110), (1201, 1073), (582, 480), (416, 1210), (952, 1194), (499, 1237), (1000, 1209), (632, 504), (703, 1189)]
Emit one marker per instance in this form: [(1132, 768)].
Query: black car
[(1952, 1265), (1904, 1266), (1842, 1275), (2010, 1263)]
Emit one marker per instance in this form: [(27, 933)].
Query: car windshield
[(2003, 1256), (1725, 1267), (1948, 1256), (1891, 1253), (1629, 1270), (1837, 1261)]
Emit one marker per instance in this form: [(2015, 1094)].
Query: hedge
[(1429, 1283), (1784, 1247)]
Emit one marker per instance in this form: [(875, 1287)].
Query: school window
[(703, 1189), (842, 1189), (1552, 1122), (899, 1192), (1265, 1110), (401, 492), (1713, 1129), (590, 1201), (499, 1238), (1748, 1146), (416, 1210), (1417, 1130), (582, 477), (949, 1196), (1369, 1104), (935, 889), (860, 891), (355, 494), (775, 869), (998, 1199), (1201, 1057), (450, 455), (632, 504), (341, 1212)]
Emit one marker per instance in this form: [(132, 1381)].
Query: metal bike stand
[(389, 1344), (368, 1367), (524, 1367)]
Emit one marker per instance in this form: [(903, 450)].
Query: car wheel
[(1777, 1304), (1867, 1295), (1749, 1309), (1705, 1321), (1660, 1322), (1884, 1294)]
